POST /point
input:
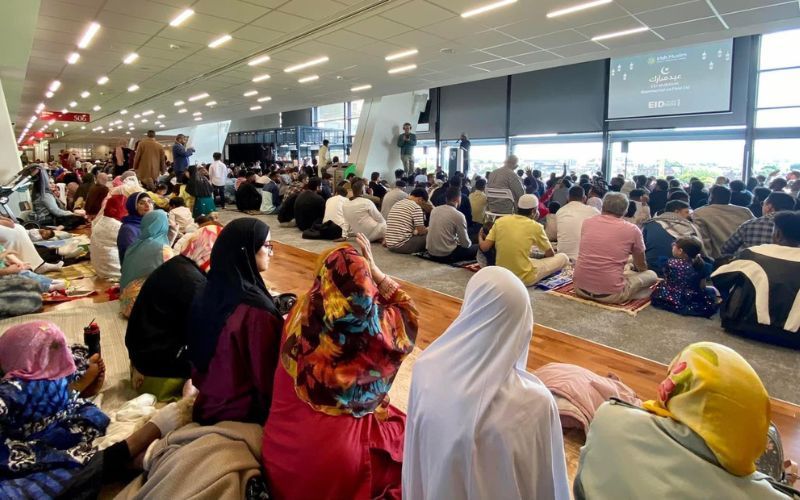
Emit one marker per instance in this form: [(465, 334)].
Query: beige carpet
[(71, 320)]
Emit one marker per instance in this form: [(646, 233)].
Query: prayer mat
[(74, 272), (463, 263), (473, 267), (561, 278), (631, 307)]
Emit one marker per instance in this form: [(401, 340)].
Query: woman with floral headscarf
[(157, 330), (699, 439), (331, 432)]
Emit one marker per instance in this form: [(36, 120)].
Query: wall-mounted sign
[(64, 117)]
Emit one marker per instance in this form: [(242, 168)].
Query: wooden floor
[(292, 270)]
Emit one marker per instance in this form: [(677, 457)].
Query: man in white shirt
[(569, 221), (218, 172), (392, 197), (362, 216), (334, 209), (323, 157)]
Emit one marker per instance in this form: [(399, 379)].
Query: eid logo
[(651, 60)]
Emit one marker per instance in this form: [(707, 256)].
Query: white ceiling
[(175, 63)]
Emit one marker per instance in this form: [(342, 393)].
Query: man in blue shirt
[(180, 157)]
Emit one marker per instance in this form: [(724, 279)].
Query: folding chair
[(498, 194)]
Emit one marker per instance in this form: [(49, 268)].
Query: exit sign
[(64, 117)]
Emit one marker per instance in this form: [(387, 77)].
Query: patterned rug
[(74, 272), (631, 307)]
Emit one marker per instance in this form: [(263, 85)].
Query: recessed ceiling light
[(119, 127), (180, 18), (161, 116), (198, 118), (179, 103), (55, 85), (102, 131), (72, 104), (64, 110), (258, 60), (127, 133), (264, 99), (198, 97), (307, 79), (130, 58), (83, 127), (133, 88), (97, 107), (487, 8), (211, 103), (123, 112), (307, 64), (402, 69), (578, 8), (260, 78), (148, 112), (130, 124), (102, 80), (219, 41), (137, 116), (161, 126), (131, 128), (250, 93), (40, 107), (197, 113), (144, 120), (73, 58), (400, 55), (90, 32), (49, 94), (360, 88), (620, 33), (255, 108), (182, 110), (157, 122), (85, 94)]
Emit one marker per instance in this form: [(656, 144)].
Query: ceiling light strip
[(180, 18), (307, 79), (219, 41), (258, 60), (402, 69), (359, 88), (307, 64), (90, 32), (405, 53), (617, 34), (487, 8), (577, 8)]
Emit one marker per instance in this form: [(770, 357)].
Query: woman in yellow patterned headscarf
[(700, 438), (712, 390)]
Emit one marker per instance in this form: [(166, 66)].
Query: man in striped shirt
[(405, 225)]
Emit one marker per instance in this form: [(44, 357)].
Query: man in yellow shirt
[(477, 200), (514, 236)]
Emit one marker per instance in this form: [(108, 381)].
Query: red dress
[(238, 383), (311, 455)]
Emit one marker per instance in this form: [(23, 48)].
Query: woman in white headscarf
[(479, 425)]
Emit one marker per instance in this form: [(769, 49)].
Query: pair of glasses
[(268, 246)]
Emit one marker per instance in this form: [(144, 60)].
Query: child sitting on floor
[(180, 217), (11, 264), (684, 289)]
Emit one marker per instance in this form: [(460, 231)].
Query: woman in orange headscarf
[(331, 432), (699, 439)]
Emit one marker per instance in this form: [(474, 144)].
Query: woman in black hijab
[(235, 329)]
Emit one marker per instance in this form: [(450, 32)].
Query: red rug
[(631, 307)]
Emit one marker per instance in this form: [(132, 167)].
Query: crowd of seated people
[(307, 391)]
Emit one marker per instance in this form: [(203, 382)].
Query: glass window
[(779, 50), (330, 112), (355, 108), (705, 160), (773, 156), (485, 155), (426, 155), (780, 117), (579, 157), (779, 88)]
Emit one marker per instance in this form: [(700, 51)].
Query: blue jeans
[(43, 281)]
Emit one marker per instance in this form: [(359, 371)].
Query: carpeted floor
[(653, 334)]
